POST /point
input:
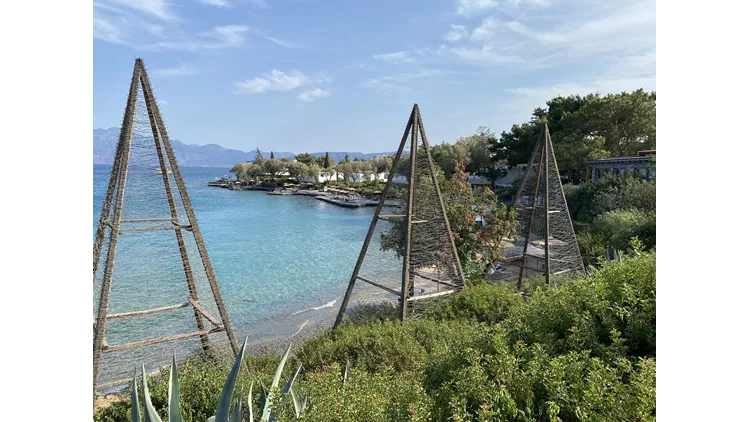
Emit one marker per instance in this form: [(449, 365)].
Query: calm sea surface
[(273, 255)]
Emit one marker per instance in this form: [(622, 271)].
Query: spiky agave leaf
[(275, 384), (225, 401), (135, 407), (280, 368), (300, 403), (237, 412), (250, 401), (289, 383), (173, 394), (263, 396), (150, 413)]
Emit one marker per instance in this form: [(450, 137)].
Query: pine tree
[(272, 157), (328, 163)]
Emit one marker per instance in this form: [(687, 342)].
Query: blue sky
[(304, 75)]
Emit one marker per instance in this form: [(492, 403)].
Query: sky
[(343, 75)]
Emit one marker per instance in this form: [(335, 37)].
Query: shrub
[(489, 303), (610, 193), (611, 313), (388, 345), (616, 228), (380, 396)]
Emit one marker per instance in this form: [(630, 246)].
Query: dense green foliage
[(610, 211), (583, 129), (585, 350)]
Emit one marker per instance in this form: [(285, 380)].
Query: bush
[(610, 193), (489, 303), (380, 396), (582, 350), (616, 228), (611, 313), (388, 345)]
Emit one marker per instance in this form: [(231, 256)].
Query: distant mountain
[(211, 155)]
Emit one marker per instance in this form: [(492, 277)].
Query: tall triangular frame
[(540, 161), (114, 198), (415, 128)]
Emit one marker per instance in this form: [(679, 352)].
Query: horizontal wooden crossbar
[(445, 283), (148, 220), (143, 229), (149, 311), (161, 340), (203, 312), (388, 217), (429, 296), (379, 285)]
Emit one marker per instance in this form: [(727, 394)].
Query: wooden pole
[(410, 194), (533, 208), (126, 134), (547, 141), (373, 223)]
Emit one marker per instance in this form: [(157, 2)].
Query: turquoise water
[(273, 255)]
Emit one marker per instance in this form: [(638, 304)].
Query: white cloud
[(470, 8), (219, 37), (276, 80), (389, 85), (106, 30), (456, 33), (217, 3), (161, 9), (362, 66), (313, 94), (173, 72), (280, 42), (487, 31), (545, 33), (260, 4), (396, 58)]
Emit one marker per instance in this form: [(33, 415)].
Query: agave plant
[(222, 413), (266, 397)]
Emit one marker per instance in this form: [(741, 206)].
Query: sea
[(281, 262)]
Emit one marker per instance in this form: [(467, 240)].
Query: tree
[(328, 161), (327, 173), (297, 170), (305, 158), (240, 170), (446, 156), (254, 170), (272, 157), (313, 170), (584, 129), (345, 168), (515, 147), (345, 159), (273, 167), (381, 164), (366, 168), (258, 157)]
